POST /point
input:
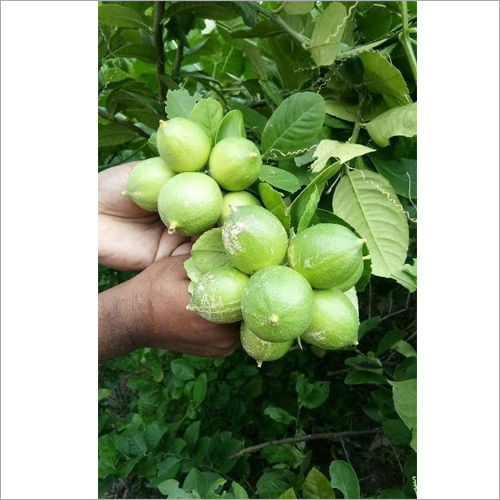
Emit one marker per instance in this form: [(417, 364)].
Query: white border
[(49, 298), (458, 166)]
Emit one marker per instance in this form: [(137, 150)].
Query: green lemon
[(189, 203), (145, 181), (277, 304), (259, 349), (216, 296), (237, 199), (235, 163), (334, 322), (353, 279), (254, 238), (183, 145), (327, 255)]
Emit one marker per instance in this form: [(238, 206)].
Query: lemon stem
[(172, 227), (274, 319)]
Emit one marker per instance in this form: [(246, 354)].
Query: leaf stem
[(355, 132), (303, 40), (405, 41)]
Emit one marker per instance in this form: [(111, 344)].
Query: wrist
[(123, 318)]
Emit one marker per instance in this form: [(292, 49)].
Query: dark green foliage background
[(165, 416)]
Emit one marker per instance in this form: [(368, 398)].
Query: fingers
[(170, 243), (183, 249)]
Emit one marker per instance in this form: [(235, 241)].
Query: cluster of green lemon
[(281, 289)]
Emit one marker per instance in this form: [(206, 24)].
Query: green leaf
[(208, 251), (180, 103), (367, 326), (400, 121), (182, 369), (238, 491), (388, 340), (381, 77), (195, 481), (413, 442), (222, 447), (316, 485), (103, 394), (298, 8), (203, 10), (356, 377), (200, 389), (262, 29), (343, 151), (327, 33), (343, 478), (192, 271), (120, 17), (272, 91), (153, 434), (367, 201), (341, 110), (143, 51), (114, 135), (108, 456), (192, 434), (232, 125), (365, 362), (271, 484), (407, 276), (311, 395), (255, 57), (396, 431), (310, 208), (253, 119), (289, 493), (277, 177), (170, 488), (208, 114), (131, 441), (285, 454), (404, 348), (273, 201), (169, 468), (293, 126), (299, 204), (404, 394), (400, 172), (279, 415)]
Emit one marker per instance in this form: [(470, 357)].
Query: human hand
[(131, 238), (149, 310)]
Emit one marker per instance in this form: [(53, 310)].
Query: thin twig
[(404, 37), (303, 40), (395, 313), (178, 59), (104, 113), (159, 10), (345, 451), (307, 437)]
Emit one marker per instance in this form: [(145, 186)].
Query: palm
[(130, 238)]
